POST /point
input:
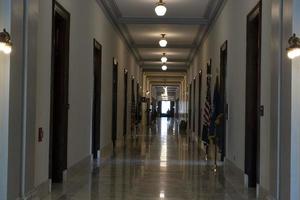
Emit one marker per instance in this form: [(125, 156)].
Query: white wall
[(231, 25), (4, 100), (87, 22), (295, 134)]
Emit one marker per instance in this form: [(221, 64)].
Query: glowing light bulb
[(163, 43), (7, 49), (164, 59), (2, 45), (160, 10), (293, 53), (164, 67)]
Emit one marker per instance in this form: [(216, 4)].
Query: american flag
[(207, 113), (207, 108)]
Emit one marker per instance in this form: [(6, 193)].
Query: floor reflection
[(159, 164)]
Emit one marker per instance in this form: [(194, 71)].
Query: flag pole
[(215, 164)]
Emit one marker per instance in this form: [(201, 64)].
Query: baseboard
[(106, 152), (84, 164), (42, 190), (32, 195), (228, 165), (264, 194)]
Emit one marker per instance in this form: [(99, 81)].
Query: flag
[(216, 108), (218, 117), (207, 114)]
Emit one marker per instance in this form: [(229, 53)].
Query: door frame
[(194, 105), (125, 116), (114, 101), (96, 136), (249, 150), (190, 107), (223, 83), (199, 103), (58, 8)]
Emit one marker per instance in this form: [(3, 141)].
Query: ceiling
[(184, 24)]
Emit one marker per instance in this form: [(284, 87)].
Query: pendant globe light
[(164, 67), (164, 59), (163, 42), (160, 8), (5, 42), (293, 50)]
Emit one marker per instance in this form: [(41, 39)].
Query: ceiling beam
[(164, 72), (179, 21), (169, 60), (170, 46), (185, 67)]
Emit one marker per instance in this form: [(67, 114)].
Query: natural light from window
[(165, 106)]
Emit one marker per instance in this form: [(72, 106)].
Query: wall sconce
[(293, 50), (5, 42)]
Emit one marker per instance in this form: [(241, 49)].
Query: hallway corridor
[(158, 164)]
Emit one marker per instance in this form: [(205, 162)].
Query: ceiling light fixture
[(293, 50), (163, 42), (164, 59), (5, 42), (164, 67), (160, 8)]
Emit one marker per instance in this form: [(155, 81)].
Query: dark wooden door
[(97, 99), (253, 96), (194, 105), (125, 103), (223, 102), (114, 102), (160, 108), (172, 108), (199, 103), (138, 104), (59, 93), (133, 107), (190, 107), (177, 109)]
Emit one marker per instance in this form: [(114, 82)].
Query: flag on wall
[(216, 108), (207, 114), (218, 115)]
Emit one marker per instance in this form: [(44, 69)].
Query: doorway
[(199, 104), (59, 93), (194, 105), (114, 102), (253, 70), (165, 108), (125, 103), (133, 107), (97, 99), (223, 101), (190, 106)]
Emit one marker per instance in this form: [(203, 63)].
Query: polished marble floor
[(158, 164)]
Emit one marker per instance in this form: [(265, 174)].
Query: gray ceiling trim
[(169, 60), (214, 15), (178, 21), (159, 67), (115, 8), (120, 29), (169, 70), (113, 13), (170, 46), (210, 9)]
